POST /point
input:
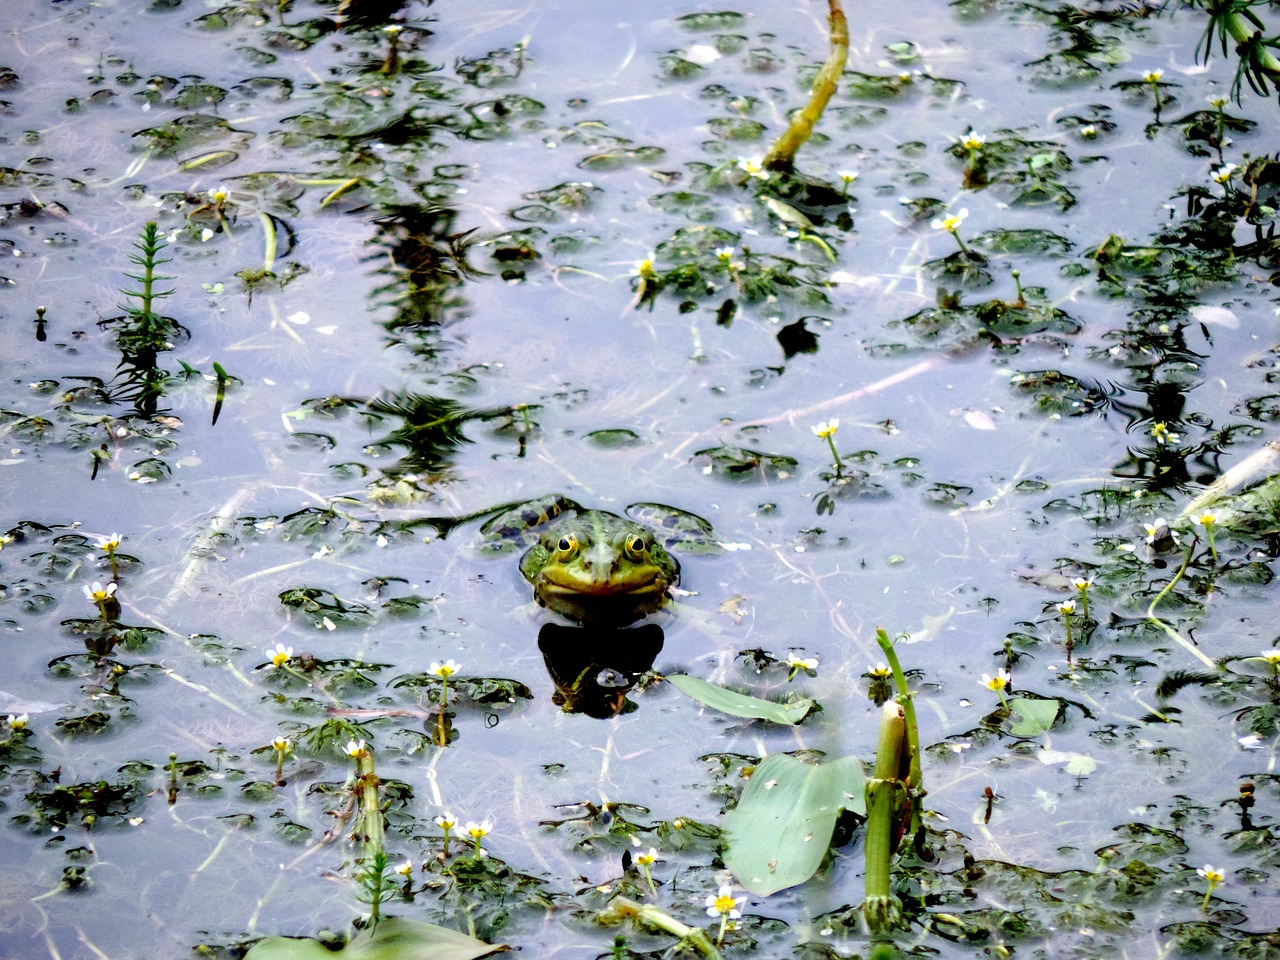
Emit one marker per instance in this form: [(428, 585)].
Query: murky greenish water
[(404, 240)]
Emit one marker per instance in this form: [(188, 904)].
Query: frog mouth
[(554, 583)]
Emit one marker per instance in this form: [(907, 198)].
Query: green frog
[(593, 566)]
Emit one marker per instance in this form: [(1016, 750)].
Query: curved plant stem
[(782, 155), (1177, 637), (269, 241)]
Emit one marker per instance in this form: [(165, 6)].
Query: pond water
[(415, 263)]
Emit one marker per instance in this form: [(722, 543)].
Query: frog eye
[(636, 546), (567, 546)]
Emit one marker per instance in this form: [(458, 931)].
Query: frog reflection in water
[(592, 566)]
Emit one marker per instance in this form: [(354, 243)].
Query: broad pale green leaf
[(392, 939), (1036, 716), (739, 704), (780, 830), (1076, 764)]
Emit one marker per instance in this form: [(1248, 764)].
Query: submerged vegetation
[(967, 333)]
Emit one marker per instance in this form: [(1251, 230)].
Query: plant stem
[(835, 454), (883, 791), (782, 155), (915, 778), (269, 241), (1151, 611), (654, 917)]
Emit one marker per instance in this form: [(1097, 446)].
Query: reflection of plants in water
[(423, 258), (426, 430)]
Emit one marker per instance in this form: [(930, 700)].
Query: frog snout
[(600, 561)]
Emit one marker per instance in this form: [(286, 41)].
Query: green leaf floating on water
[(781, 829), (739, 704), (392, 939)]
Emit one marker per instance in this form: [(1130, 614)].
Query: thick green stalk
[(1243, 27), (782, 155), (369, 825), (883, 793)]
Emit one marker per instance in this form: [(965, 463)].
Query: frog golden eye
[(567, 545), (637, 546)]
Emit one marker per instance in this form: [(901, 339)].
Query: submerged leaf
[(739, 704), (392, 939), (781, 829), (1035, 716)]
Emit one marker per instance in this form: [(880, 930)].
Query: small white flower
[(952, 222), (97, 593), (797, 662), (1153, 76), (1212, 874), (443, 670), (644, 268), (997, 683), (724, 904), (1224, 173), (356, 749), (753, 167), (826, 428), (279, 655)]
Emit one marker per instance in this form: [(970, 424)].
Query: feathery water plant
[(142, 333)]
